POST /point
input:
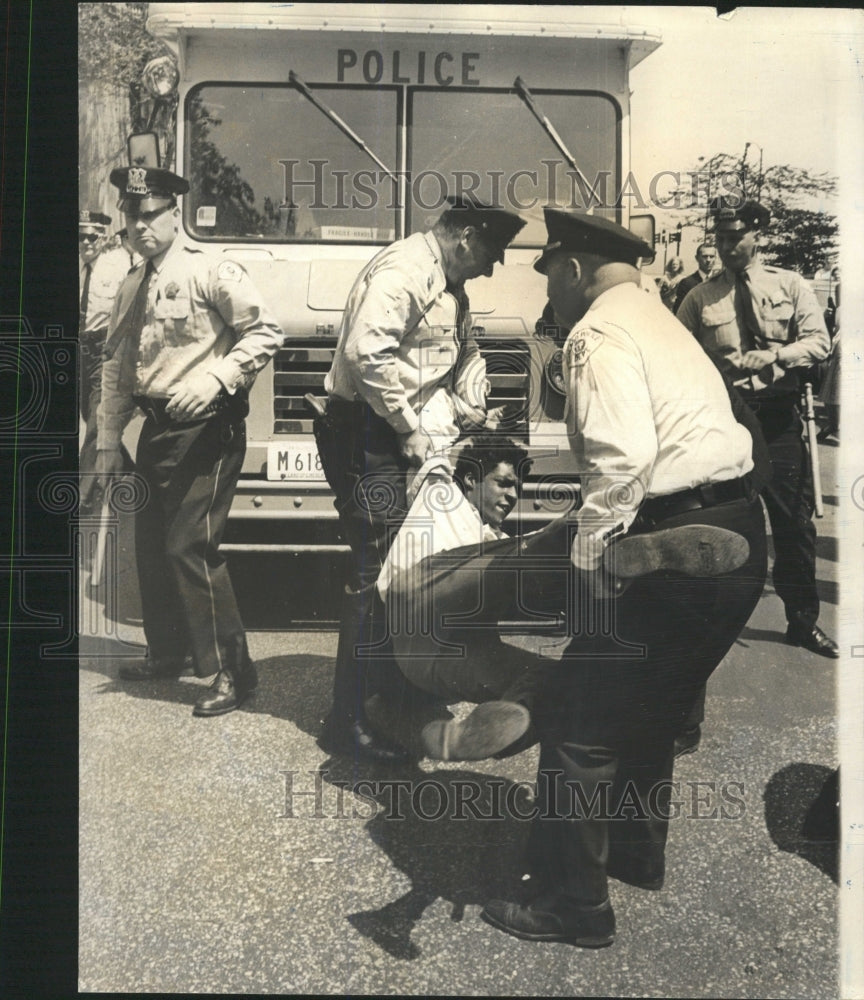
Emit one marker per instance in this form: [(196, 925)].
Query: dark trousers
[(362, 462), (789, 500), (607, 757), (191, 472), (443, 618)]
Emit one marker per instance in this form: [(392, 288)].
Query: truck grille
[(300, 366)]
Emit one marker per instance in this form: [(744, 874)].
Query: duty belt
[(656, 509), (154, 408)]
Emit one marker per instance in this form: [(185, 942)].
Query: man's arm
[(115, 408), (615, 443), (470, 386), (812, 342), (259, 337), (380, 313), (118, 381)]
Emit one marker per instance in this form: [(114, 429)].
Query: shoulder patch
[(581, 344), (229, 271)]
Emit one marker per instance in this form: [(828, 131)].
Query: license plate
[(294, 460)]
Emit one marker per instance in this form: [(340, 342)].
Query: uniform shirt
[(107, 273), (203, 315), (789, 318), (404, 334), (648, 414)]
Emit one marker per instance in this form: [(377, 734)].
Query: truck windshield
[(493, 137), (264, 164)]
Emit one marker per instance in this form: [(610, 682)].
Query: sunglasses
[(87, 238), (134, 212)]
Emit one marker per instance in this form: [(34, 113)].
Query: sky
[(787, 80), (777, 77)]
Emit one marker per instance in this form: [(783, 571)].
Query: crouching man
[(444, 608)]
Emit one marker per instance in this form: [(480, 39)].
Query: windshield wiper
[(526, 95), (337, 121)]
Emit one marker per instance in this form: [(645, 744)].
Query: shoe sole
[(692, 549), (490, 728), (578, 940)]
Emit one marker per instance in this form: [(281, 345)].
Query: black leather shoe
[(813, 638), (554, 918), (154, 668), (688, 741), (489, 729), (356, 739), (636, 871), (227, 691)]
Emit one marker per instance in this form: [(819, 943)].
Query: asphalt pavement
[(232, 855)]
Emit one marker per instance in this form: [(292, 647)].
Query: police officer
[(101, 270), (659, 447), (188, 335), (767, 326), (405, 335)]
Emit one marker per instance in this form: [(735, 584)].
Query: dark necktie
[(133, 321), (751, 330), (85, 296)]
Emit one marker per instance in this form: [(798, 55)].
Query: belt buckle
[(708, 495)]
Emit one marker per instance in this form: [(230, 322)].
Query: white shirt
[(648, 414), (107, 272), (404, 335)]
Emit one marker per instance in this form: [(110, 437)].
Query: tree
[(113, 48), (216, 182), (801, 235)]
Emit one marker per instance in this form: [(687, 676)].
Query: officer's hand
[(755, 361), (505, 416), (109, 465), (192, 396), (417, 446)]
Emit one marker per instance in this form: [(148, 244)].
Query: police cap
[(577, 232), (732, 214), (93, 222), (147, 188), (497, 226)]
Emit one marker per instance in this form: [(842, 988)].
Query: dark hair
[(483, 453)]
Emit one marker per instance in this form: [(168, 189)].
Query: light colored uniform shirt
[(404, 335), (203, 315), (789, 318), (107, 273), (648, 414)]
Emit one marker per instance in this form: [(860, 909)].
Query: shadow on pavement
[(455, 834), (295, 687), (801, 814)]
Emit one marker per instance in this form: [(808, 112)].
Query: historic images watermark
[(320, 185), (315, 795)]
